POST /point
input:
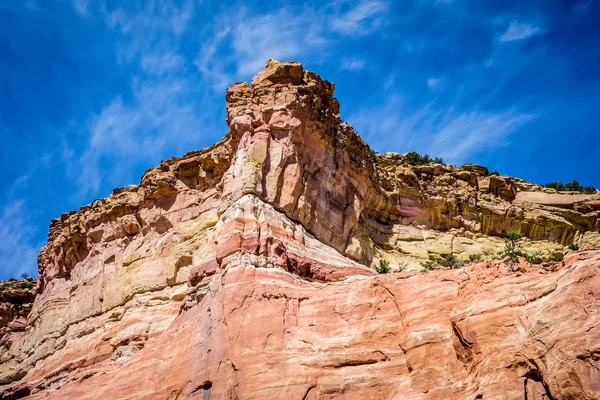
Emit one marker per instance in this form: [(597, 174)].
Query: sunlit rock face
[(243, 271)]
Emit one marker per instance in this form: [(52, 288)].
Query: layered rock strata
[(242, 271)]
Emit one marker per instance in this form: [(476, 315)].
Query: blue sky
[(96, 91)]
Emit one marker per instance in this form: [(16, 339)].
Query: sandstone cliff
[(243, 271)]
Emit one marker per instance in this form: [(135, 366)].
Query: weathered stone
[(242, 271)]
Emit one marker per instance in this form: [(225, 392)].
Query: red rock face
[(242, 272)]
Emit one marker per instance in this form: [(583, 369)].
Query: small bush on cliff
[(475, 257), (403, 266), (512, 250), (26, 285), (534, 258), (373, 155), (467, 168), (494, 173), (414, 158), (573, 186), (429, 266), (450, 261), (383, 267), (574, 247)]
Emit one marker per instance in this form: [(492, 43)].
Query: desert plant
[(403, 266), (24, 275), (383, 267), (556, 256), (467, 168), (414, 158), (429, 266), (26, 285), (574, 247), (494, 173), (512, 250), (534, 258), (573, 186), (475, 257), (373, 155), (450, 261)]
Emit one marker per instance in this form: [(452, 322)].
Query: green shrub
[(429, 265), (556, 256), (512, 250), (383, 267), (373, 155), (494, 172), (534, 258), (26, 285), (450, 261), (574, 247), (403, 266), (467, 168), (573, 186), (414, 158), (475, 257)]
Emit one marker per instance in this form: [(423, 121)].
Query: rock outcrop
[(16, 298), (243, 271)]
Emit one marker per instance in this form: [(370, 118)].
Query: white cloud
[(519, 31), (268, 36), (161, 119), (162, 62), (244, 40), (81, 7), (456, 137), (433, 83), (165, 112), (153, 27), (353, 64), (364, 17), (437, 132), (17, 254), (582, 6)]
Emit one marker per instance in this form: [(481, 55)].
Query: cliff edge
[(244, 271)]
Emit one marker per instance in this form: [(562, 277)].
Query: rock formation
[(242, 271), (16, 298)]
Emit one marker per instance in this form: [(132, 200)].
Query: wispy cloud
[(245, 40), (458, 136), (519, 31), (160, 116), (161, 63), (455, 136), (582, 6), (364, 17), (17, 253), (352, 64), (433, 83), (81, 7)]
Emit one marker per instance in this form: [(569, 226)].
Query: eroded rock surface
[(243, 271)]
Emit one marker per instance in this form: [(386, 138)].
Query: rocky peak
[(245, 270)]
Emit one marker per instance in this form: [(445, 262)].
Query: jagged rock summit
[(243, 271)]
